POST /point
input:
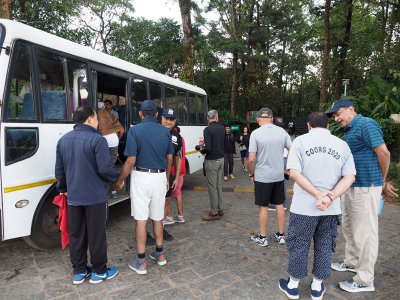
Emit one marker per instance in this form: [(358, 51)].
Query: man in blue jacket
[(83, 169)]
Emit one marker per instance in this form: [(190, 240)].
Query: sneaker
[(110, 273), (114, 196), (341, 267), (221, 212), (256, 239), (168, 221), (272, 208), (159, 257), (317, 295), (245, 170), (167, 236), (353, 287), (180, 219), (290, 293), (280, 238), (226, 178), (138, 265), (231, 176), (80, 278)]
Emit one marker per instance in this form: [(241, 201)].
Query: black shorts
[(271, 192), (171, 180)]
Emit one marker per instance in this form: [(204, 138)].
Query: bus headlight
[(21, 203)]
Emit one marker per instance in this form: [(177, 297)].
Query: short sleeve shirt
[(363, 135), (323, 159), (149, 142), (176, 142), (268, 142)]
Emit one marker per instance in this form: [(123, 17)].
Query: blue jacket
[(83, 166)]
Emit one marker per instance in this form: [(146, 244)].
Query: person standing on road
[(244, 140), (83, 168), (322, 167), (214, 163), (168, 119), (266, 168), (360, 204), (149, 150), (229, 153)]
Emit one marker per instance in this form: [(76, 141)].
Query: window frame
[(6, 163)]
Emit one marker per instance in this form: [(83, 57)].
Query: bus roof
[(16, 30)]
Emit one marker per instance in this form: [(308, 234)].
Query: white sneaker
[(231, 176), (341, 267), (256, 239), (280, 238), (179, 219), (168, 221), (353, 287)]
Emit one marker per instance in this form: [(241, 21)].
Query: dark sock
[(263, 237), (141, 255), (159, 248), (280, 234)]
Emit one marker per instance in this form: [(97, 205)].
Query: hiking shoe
[(226, 178), (180, 219), (80, 278), (159, 257), (150, 240), (231, 176), (114, 196), (168, 221), (290, 293), (138, 265), (353, 287), (342, 267), (167, 236), (280, 238), (257, 239), (110, 273), (317, 295)]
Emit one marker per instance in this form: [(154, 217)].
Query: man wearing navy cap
[(149, 150), (360, 204), (168, 119)]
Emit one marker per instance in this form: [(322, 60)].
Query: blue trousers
[(302, 229)]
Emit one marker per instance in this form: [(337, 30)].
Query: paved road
[(205, 260)]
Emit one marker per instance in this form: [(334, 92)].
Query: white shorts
[(148, 195)]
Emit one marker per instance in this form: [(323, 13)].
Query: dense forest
[(289, 55)]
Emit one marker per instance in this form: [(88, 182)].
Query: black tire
[(46, 233)]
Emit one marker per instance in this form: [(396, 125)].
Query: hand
[(175, 183), (234, 155), (118, 185), (167, 184), (65, 194), (252, 179), (389, 190), (323, 203)]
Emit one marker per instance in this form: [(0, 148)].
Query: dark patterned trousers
[(302, 229)]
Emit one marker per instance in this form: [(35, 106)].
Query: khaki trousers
[(360, 207), (214, 170)]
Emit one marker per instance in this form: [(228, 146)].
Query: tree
[(325, 58), (187, 74), (5, 9)]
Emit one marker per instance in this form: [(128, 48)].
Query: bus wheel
[(46, 233)]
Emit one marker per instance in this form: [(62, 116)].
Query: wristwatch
[(251, 175)]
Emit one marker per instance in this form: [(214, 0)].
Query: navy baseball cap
[(148, 107), (338, 104), (169, 113)]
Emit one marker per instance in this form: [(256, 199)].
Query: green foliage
[(391, 134), (394, 174)]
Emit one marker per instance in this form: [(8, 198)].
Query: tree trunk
[(187, 74), (343, 50), (234, 60), (325, 59), (5, 9)]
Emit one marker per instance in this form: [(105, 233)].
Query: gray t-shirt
[(268, 142), (323, 159)]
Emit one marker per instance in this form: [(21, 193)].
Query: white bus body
[(37, 69)]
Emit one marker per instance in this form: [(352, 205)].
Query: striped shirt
[(363, 135)]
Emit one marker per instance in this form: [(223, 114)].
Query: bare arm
[(342, 186), (178, 167), (383, 156), (251, 163)]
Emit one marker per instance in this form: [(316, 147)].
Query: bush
[(391, 134), (394, 174)]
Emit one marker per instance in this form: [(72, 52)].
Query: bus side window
[(155, 95), (139, 94), (21, 104), (78, 84), (21, 143), (52, 85), (196, 110), (176, 100)]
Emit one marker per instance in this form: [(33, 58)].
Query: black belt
[(149, 170)]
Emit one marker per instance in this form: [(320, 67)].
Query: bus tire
[(45, 232)]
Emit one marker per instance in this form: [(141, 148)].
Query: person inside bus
[(108, 106), (112, 130)]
